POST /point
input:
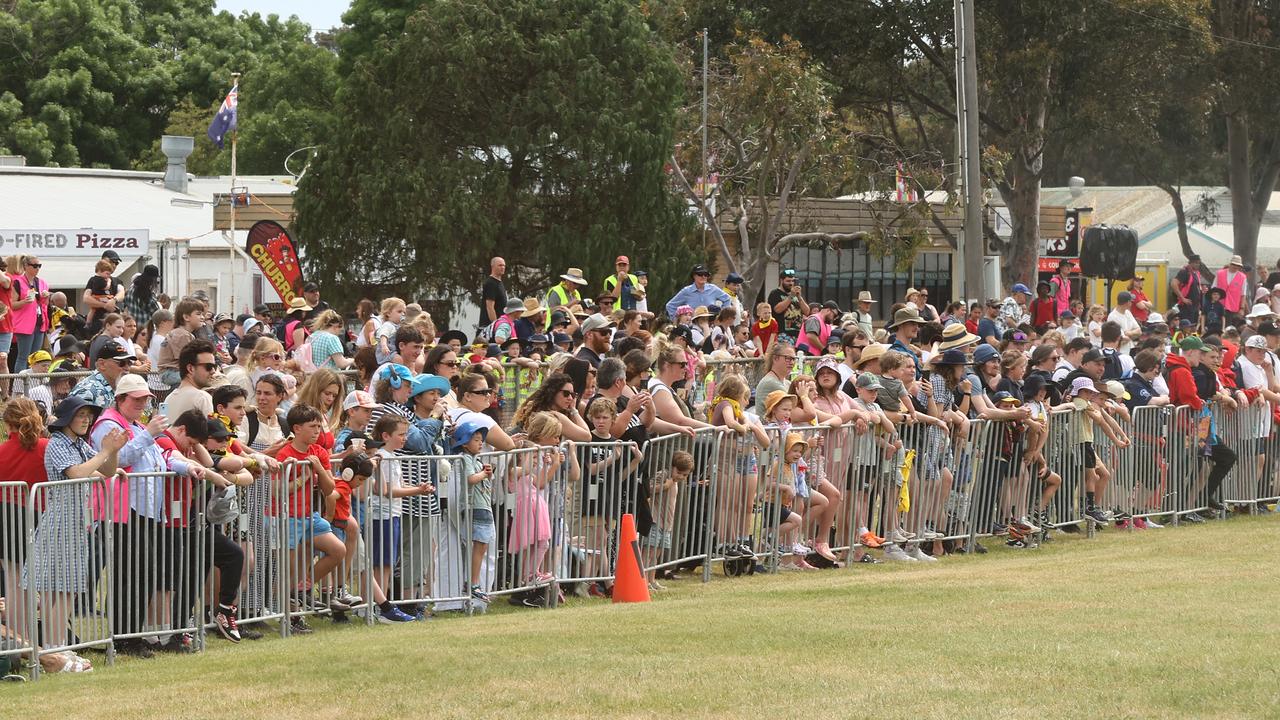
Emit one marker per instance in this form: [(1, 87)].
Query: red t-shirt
[(300, 499), (177, 492), (1042, 312), (763, 334), (22, 464), (342, 508), (1140, 314)]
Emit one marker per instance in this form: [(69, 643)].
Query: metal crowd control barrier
[(68, 596), (18, 631), (264, 542), (156, 558), (681, 532)]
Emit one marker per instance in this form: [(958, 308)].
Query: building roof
[(40, 198)]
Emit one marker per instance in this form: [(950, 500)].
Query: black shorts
[(776, 510), (13, 533), (1090, 457)]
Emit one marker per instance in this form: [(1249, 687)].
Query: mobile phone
[(163, 409)]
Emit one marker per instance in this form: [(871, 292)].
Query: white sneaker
[(915, 553), (801, 550), (893, 552), (931, 535), (1031, 527), (1153, 524), (901, 536)]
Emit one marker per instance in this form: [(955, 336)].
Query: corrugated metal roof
[(38, 198)]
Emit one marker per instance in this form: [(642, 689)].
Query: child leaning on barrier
[(738, 488), (1086, 399), (608, 474), (666, 487), (386, 503), (1035, 391), (885, 444), (782, 487)]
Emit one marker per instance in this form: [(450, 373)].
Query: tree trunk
[(1022, 196), (1180, 214)]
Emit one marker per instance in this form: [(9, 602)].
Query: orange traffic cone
[(629, 584)]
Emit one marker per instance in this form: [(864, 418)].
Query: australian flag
[(225, 121)]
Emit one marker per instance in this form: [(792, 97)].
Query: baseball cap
[(595, 322), (869, 381), (622, 260), (1256, 341), (1124, 297), (1191, 343), (358, 398), (1116, 390), (216, 430), (1091, 355), (117, 350), (1020, 288), (831, 305), (131, 384), (111, 255), (699, 269)]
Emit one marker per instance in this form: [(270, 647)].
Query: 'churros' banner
[(271, 247)]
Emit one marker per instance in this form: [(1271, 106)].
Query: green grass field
[(1162, 623)]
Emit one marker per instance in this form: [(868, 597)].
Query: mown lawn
[(1161, 623)]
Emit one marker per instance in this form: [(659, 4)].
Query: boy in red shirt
[(764, 330), (311, 470)]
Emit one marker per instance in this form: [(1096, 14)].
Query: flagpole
[(231, 254)]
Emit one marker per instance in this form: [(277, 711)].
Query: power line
[(1190, 29)]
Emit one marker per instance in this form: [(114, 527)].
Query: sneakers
[(999, 528), (599, 590), (867, 559), (298, 626), (915, 553), (1123, 525), (334, 604), (395, 615), (897, 554), (900, 536), (1193, 518), (250, 632), (347, 598), (1042, 517), (224, 621), (1097, 516), (931, 534), (1139, 523), (1151, 524), (178, 644), (1016, 543), (1027, 526), (869, 539), (801, 550)]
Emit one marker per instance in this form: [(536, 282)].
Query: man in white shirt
[(1121, 315)]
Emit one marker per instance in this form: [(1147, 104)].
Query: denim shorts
[(6, 342), (308, 527), (482, 529)]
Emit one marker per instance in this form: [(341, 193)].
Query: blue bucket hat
[(396, 373), (984, 353), (465, 431), (427, 381)]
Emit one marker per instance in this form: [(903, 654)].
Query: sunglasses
[(681, 363), (35, 265), (273, 356), (125, 363), (486, 392), (789, 358), (568, 393), (451, 363), (858, 347), (207, 366)]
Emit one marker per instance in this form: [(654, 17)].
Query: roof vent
[(176, 149)]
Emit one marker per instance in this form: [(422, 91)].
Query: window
[(841, 275)]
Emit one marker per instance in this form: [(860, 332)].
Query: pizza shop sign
[(85, 242)]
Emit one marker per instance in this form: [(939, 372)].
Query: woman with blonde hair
[(322, 390), (267, 357), (326, 342)]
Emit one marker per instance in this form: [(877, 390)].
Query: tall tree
[(535, 130)]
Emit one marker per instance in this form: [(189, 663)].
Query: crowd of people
[(183, 400)]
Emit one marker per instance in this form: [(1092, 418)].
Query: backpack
[(303, 356), (254, 425), (1113, 370)]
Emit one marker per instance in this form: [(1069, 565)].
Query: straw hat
[(865, 296), (955, 335), (574, 275), (298, 303), (700, 312), (1235, 260), (532, 307), (871, 352)]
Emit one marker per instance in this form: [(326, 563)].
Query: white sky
[(319, 14)]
